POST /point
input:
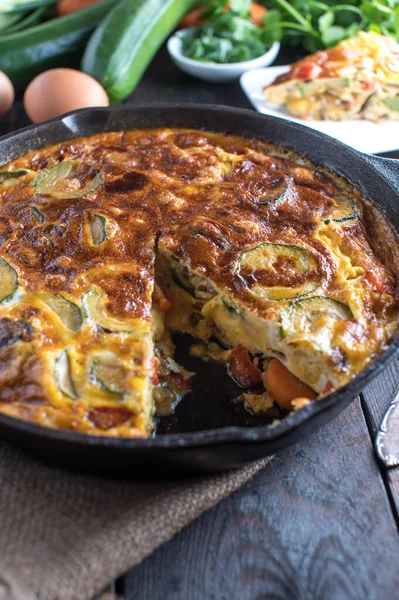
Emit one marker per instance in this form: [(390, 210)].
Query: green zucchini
[(313, 86), (54, 43), (98, 228), (124, 43), (10, 178), (108, 372), (39, 216), (29, 20), (233, 311), (392, 103), (8, 20), (265, 257), (20, 5), (5, 175), (344, 209), (61, 180), (68, 312), (304, 315), (63, 376), (182, 283), (276, 193), (8, 280), (93, 304)]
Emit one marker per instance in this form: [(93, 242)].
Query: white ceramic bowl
[(215, 72)]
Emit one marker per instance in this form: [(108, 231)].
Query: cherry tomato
[(367, 85), (179, 383), (329, 388), (161, 299), (66, 7), (106, 417), (154, 378), (243, 369), (193, 18), (307, 70)]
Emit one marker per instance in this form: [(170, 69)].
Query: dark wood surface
[(320, 522)]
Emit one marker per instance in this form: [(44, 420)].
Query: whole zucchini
[(21, 5), (28, 20), (51, 44), (124, 43)]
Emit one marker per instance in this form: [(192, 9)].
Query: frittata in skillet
[(357, 79), (110, 243)]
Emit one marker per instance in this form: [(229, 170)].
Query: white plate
[(362, 135)]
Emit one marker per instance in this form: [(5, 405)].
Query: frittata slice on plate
[(357, 79)]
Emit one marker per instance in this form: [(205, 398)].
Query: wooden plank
[(109, 593), (377, 397), (316, 523)]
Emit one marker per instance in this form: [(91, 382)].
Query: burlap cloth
[(64, 536)]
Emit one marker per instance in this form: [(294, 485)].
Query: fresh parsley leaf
[(272, 30), (325, 21), (332, 36), (316, 24), (227, 37)]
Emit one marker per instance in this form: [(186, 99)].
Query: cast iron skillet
[(204, 448)]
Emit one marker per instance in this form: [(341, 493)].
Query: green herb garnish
[(227, 37), (316, 25), (392, 103)]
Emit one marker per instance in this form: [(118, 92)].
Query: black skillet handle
[(388, 167)]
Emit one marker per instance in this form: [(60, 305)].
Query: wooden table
[(320, 522)]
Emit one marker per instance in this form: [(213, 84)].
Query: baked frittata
[(357, 79), (111, 243)]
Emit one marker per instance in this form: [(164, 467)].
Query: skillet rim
[(290, 424)]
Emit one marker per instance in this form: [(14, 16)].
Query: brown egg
[(7, 94), (58, 91)]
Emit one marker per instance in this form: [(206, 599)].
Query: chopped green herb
[(226, 37), (392, 103)]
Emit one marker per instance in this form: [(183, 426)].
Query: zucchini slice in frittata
[(96, 311), (8, 280), (68, 180), (270, 259), (69, 313), (304, 316)]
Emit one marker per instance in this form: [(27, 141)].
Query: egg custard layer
[(111, 242)]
